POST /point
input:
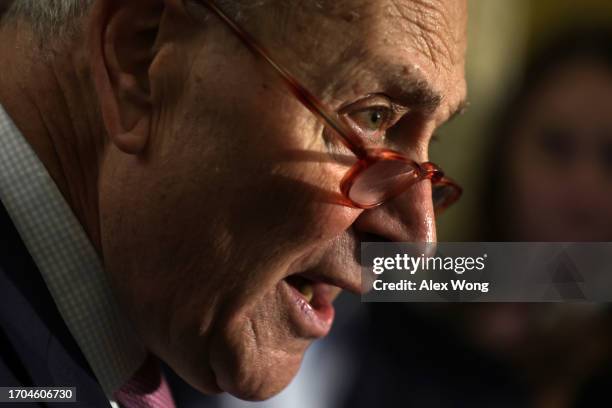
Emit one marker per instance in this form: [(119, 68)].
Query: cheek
[(209, 221), (293, 207), (271, 171)]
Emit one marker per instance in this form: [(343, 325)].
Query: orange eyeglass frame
[(366, 157)]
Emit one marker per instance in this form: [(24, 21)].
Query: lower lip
[(314, 319)]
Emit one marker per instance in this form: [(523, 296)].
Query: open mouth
[(311, 307), (309, 289), (302, 285)]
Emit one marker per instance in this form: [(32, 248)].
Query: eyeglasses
[(379, 174)]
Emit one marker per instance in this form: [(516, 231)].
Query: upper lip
[(349, 283), (345, 274)]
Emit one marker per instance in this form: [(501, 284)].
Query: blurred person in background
[(550, 179)]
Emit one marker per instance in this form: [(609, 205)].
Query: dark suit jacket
[(36, 348)]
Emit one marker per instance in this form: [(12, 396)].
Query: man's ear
[(122, 43)]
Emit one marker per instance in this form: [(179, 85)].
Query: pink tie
[(146, 389)]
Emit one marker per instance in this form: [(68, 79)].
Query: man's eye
[(371, 120)]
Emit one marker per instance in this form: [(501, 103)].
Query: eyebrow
[(419, 93), (415, 93), (413, 90)]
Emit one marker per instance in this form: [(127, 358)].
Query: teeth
[(306, 290)]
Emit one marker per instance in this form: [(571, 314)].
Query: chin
[(252, 371), (259, 385), (256, 343), (255, 355)]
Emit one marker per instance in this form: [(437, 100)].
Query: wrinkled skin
[(203, 182), (236, 188)]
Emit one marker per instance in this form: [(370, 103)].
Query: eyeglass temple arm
[(351, 141)]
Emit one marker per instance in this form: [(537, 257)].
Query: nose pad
[(408, 217)]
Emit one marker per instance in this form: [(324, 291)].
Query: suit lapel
[(39, 346)]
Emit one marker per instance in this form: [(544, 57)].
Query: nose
[(408, 217)]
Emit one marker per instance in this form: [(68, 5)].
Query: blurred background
[(533, 153), (502, 37)]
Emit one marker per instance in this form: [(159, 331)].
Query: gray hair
[(58, 16), (47, 16)]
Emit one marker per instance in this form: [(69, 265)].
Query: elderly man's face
[(224, 237)]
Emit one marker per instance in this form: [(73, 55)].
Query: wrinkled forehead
[(433, 28), (349, 42)]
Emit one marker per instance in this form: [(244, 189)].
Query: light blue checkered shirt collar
[(67, 261)]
